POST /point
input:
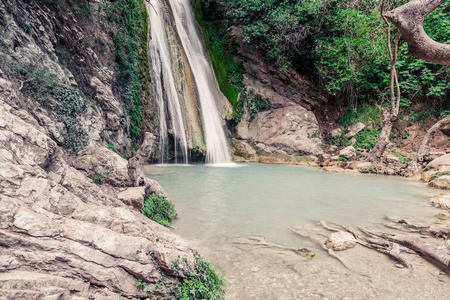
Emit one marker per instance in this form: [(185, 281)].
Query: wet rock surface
[(340, 241)]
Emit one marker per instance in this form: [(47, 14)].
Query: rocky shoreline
[(61, 235)]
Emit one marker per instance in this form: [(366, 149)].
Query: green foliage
[(342, 45), (222, 48), (159, 209), (82, 7), (256, 104), (130, 41), (403, 159), (143, 285), (70, 103), (99, 178), (437, 175), (341, 158), (338, 140), (364, 113), (198, 280), (367, 138), (110, 146)]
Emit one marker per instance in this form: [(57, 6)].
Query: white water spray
[(216, 144), (165, 85)]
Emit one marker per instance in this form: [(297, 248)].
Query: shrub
[(367, 138), (99, 178), (403, 159), (341, 158), (199, 280), (159, 210)]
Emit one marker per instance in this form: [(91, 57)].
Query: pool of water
[(217, 204)]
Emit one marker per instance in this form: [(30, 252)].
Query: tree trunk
[(409, 20), (377, 151), (431, 133), (136, 163)]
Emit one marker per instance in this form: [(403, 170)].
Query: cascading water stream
[(216, 144), (165, 85)]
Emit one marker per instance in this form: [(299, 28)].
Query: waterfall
[(165, 86), (216, 144)]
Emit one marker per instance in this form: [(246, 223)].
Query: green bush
[(198, 280), (99, 178), (159, 210), (367, 138), (338, 140), (403, 159), (361, 113)]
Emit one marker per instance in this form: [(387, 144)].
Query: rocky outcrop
[(442, 201), (292, 129), (97, 159), (347, 152), (61, 236), (438, 166), (355, 129), (442, 182), (290, 125), (54, 57), (243, 149)]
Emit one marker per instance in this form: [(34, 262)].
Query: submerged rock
[(340, 241)]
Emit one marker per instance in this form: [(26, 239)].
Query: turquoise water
[(217, 204)]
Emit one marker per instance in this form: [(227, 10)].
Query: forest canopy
[(343, 45)]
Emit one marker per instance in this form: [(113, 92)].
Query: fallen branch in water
[(436, 232), (438, 256), (261, 242)]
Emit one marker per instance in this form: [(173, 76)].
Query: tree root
[(436, 232), (330, 251), (386, 247), (261, 242), (439, 257)]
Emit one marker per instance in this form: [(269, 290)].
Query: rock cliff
[(61, 236), (289, 126)]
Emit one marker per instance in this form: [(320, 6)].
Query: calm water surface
[(216, 204)]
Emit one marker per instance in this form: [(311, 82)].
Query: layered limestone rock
[(438, 166), (62, 236), (290, 125), (292, 129), (50, 56)]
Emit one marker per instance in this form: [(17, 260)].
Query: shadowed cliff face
[(290, 125), (59, 56)]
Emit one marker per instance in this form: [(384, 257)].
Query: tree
[(388, 116), (409, 19)]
